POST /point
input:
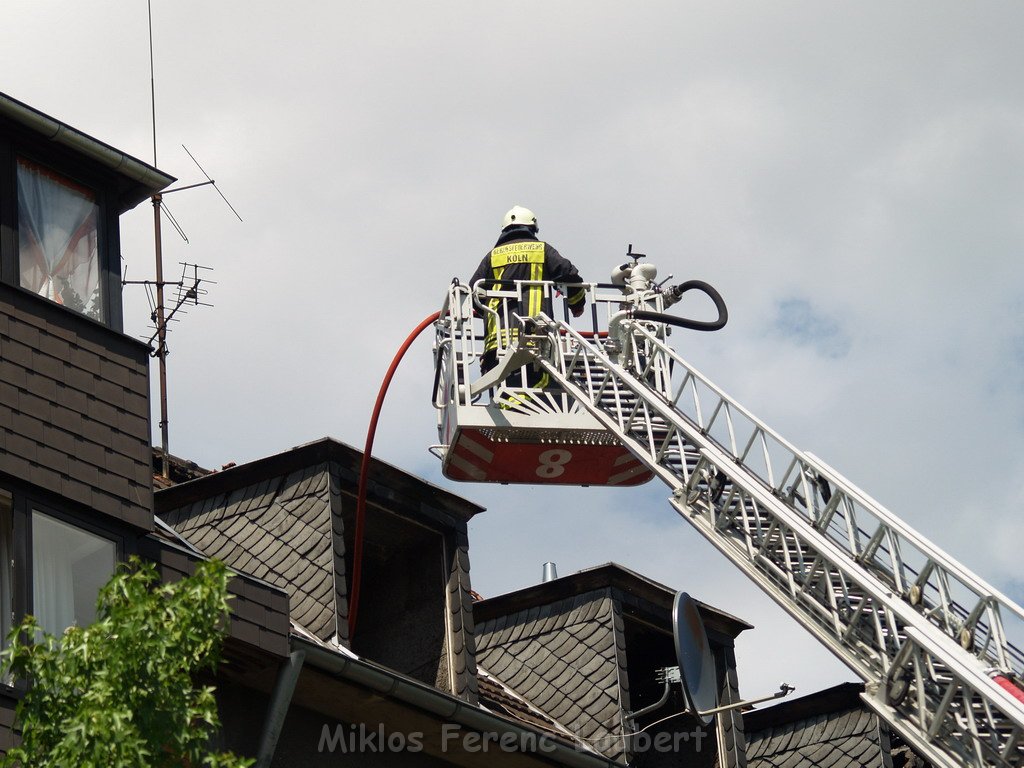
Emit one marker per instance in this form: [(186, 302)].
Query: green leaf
[(119, 692)]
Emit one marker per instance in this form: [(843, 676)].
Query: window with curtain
[(69, 565), (58, 242)]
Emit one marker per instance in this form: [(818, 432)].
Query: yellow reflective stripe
[(536, 292), (507, 336), (577, 297), (491, 323), (517, 253)]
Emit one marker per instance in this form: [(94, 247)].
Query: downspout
[(280, 700)]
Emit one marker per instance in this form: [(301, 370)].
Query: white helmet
[(520, 216)]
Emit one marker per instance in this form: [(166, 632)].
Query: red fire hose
[(364, 471)]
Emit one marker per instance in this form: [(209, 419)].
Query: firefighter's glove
[(577, 309)]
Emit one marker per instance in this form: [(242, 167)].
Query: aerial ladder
[(938, 648)]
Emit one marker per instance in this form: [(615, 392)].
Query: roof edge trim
[(414, 693), (149, 177)]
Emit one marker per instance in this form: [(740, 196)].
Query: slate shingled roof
[(830, 729), (278, 530), (567, 659), (499, 697), (288, 519)]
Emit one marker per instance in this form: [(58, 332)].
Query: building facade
[(76, 485)]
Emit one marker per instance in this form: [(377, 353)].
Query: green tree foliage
[(120, 692)]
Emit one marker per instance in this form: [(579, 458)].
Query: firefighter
[(520, 255)]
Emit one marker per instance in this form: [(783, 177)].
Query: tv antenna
[(190, 288)]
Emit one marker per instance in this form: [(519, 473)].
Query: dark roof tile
[(277, 528), (847, 738), (564, 657)]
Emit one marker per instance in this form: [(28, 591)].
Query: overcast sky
[(849, 175)]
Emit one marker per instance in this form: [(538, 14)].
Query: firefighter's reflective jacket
[(519, 255)]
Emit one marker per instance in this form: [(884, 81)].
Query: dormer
[(585, 650), (289, 520), (75, 463)]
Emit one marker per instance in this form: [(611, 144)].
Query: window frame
[(27, 162), (23, 502), (74, 523), (58, 160), (8, 623)]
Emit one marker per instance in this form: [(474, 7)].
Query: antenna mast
[(189, 289), (161, 324)]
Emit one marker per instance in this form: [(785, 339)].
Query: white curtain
[(57, 248), (69, 566)]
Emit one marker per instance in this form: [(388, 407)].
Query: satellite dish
[(696, 664)]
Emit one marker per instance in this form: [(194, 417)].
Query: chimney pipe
[(550, 573)]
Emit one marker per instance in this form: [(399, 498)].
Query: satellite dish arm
[(784, 690), (672, 676), (631, 716)]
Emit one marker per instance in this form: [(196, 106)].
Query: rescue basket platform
[(499, 426)]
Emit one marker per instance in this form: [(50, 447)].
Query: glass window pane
[(69, 566), (58, 252)]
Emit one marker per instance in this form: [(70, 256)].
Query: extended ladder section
[(938, 648)]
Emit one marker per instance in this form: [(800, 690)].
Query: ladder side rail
[(759, 436), (744, 545), (910, 542), (851, 533), (812, 589), (757, 572), (1012, 658), (906, 533), (878, 637), (976, 713), (803, 534), (638, 390)]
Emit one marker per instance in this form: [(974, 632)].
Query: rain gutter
[(148, 177), (395, 686)]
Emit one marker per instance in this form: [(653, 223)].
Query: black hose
[(682, 322)]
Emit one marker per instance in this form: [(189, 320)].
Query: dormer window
[(58, 239)]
